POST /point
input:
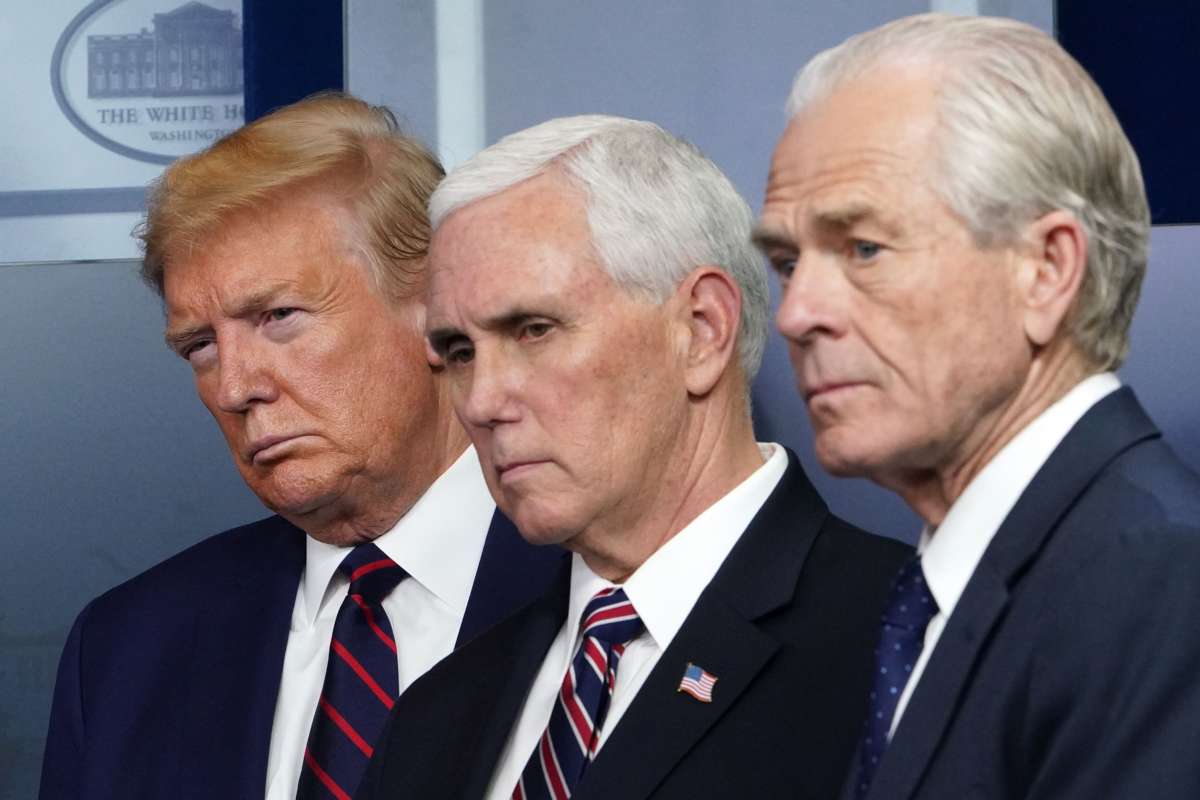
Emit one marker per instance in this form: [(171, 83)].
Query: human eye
[(784, 267), (197, 352), (864, 250), (459, 352), (534, 330), (280, 314), (781, 259)]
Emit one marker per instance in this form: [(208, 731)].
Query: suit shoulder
[(1153, 473), (224, 554), (1143, 506), (1132, 537), (848, 567), (850, 542)]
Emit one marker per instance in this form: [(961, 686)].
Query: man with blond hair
[(290, 257), (600, 313), (961, 226)]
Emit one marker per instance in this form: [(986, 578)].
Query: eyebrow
[(834, 218), (845, 216), (250, 304), (769, 238), (440, 338), (176, 339)]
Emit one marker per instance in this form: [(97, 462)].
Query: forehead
[(869, 141), (531, 242), (299, 243)]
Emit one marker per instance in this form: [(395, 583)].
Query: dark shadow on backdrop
[(290, 50), (1146, 58)]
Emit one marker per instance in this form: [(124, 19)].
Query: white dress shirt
[(439, 543), (950, 557), (663, 590)]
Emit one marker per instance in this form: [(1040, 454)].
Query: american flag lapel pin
[(698, 683)]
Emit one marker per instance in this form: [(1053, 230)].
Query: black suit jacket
[(788, 625), (167, 683), (1070, 667)]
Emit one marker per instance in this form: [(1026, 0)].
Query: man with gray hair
[(599, 313), (960, 226)]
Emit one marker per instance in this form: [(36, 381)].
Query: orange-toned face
[(320, 385)]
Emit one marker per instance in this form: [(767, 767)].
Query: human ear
[(711, 308), (1050, 274)]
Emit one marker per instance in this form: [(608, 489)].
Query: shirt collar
[(438, 542), (949, 558), (666, 586)]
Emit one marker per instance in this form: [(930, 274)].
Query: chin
[(540, 526), (841, 458), (297, 496)]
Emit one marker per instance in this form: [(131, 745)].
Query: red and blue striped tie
[(573, 734), (361, 681)]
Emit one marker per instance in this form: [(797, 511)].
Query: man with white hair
[(599, 312), (960, 226)]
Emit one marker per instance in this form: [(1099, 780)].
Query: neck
[(1053, 372), (715, 453)]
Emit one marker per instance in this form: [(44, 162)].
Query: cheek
[(206, 390), (795, 355), (385, 376)]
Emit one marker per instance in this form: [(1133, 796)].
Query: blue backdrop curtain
[(291, 50), (1146, 58)]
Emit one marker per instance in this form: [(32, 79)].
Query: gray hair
[(1022, 131), (656, 207)]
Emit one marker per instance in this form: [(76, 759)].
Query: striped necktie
[(361, 681), (572, 737)]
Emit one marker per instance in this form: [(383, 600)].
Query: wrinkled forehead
[(871, 137), (532, 237), (317, 219), (294, 254)]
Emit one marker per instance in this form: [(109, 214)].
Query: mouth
[(515, 469), (269, 448), (828, 389)]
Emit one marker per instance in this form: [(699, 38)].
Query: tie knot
[(611, 618), (372, 574), (911, 605)]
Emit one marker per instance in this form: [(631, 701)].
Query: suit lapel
[(663, 724), (1113, 425), (720, 635), (240, 639), (511, 574), (521, 644)]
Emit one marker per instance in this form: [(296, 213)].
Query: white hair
[(656, 207), (1022, 131)]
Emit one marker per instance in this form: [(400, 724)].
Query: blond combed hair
[(332, 145)]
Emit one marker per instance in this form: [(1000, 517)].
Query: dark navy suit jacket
[(1070, 668), (167, 684), (788, 625)]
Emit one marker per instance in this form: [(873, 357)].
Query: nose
[(813, 302), (487, 395), (244, 375)]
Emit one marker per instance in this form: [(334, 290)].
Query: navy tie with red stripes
[(572, 736), (361, 681)]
